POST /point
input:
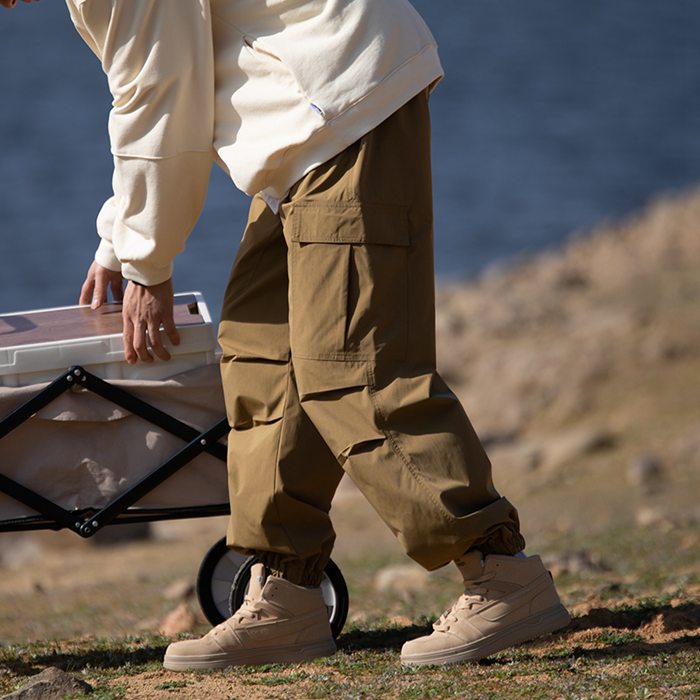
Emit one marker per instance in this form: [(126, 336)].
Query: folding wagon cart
[(88, 441)]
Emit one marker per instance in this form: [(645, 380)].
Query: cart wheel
[(335, 592), (215, 578)]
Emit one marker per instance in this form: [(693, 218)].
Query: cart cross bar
[(87, 522)]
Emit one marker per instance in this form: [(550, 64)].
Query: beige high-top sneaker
[(279, 622), (506, 600)]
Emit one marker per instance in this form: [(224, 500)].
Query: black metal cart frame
[(86, 522), (220, 563)]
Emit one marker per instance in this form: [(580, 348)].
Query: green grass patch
[(615, 638), (171, 685)]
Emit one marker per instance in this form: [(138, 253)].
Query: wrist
[(146, 275)]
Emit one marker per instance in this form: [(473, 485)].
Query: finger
[(171, 330), (99, 293), (129, 352), (117, 289), (157, 342), (86, 290), (141, 343)]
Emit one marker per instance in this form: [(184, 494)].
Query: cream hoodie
[(268, 89)]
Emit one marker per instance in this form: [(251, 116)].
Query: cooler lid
[(32, 340)]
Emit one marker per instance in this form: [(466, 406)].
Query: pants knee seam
[(396, 447)]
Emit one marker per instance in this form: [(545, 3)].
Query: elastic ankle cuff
[(506, 541), (302, 572)]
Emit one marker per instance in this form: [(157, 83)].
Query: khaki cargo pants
[(329, 366)]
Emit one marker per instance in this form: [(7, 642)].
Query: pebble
[(648, 516), (575, 563), (644, 472)]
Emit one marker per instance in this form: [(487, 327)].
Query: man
[(319, 110)]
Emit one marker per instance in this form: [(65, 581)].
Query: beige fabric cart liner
[(82, 450)]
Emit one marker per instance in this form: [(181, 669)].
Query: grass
[(635, 634), (614, 666), (604, 654)]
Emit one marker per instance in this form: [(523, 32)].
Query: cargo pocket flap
[(377, 224), (315, 377)]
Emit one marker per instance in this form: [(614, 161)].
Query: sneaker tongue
[(257, 581)]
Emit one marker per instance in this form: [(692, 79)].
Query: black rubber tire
[(215, 579), (335, 592)]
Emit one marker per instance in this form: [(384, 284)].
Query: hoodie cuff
[(104, 255), (147, 275)]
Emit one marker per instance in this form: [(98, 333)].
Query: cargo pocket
[(348, 281)]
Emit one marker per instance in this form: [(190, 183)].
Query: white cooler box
[(82, 450), (36, 345)]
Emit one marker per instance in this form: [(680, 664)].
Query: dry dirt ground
[(581, 371)]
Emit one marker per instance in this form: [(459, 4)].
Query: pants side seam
[(277, 461)]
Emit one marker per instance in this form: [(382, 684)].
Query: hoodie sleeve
[(158, 58)]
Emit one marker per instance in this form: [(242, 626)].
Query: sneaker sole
[(250, 657), (544, 623)]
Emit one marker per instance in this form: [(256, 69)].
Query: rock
[(571, 278), (644, 472), (517, 465), (653, 517), (574, 444), (497, 439), (179, 620), (661, 346), (181, 589), (685, 452), (51, 684), (19, 549), (522, 457), (402, 579), (575, 563)]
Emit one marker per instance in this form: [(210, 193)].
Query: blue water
[(555, 115)]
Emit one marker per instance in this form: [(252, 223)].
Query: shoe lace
[(250, 610), (474, 594)]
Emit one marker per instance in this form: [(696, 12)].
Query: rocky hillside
[(583, 365)]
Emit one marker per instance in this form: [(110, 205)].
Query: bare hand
[(98, 282), (9, 4), (144, 310)]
